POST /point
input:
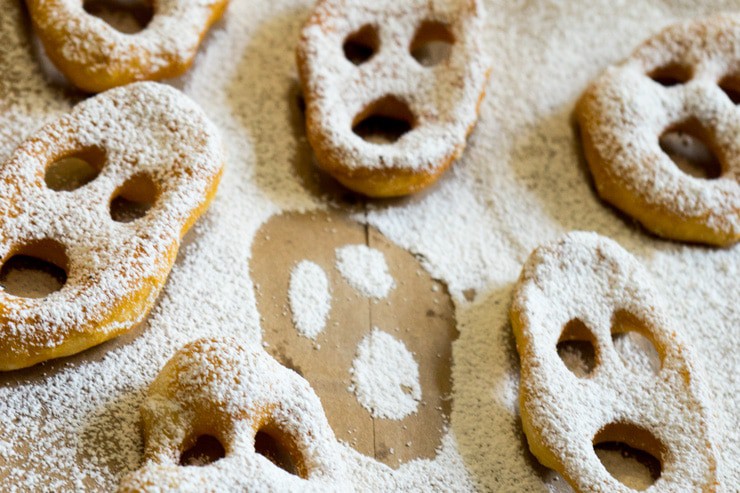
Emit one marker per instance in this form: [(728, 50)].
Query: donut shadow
[(485, 416), (180, 82), (551, 148), (22, 81), (117, 420), (51, 75), (41, 371), (318, 182), (275, 108), (583, 166), (433, 188)]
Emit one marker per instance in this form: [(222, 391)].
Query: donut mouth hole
[(133, 199), (672, 74), (690, 148), (432, 43), (635, 344), (577, 349), (35, 269), (74, 170), (384, 121), (631, 454), (361, 45), (205, 450), (125, 16), (279, 448), (730, 85)]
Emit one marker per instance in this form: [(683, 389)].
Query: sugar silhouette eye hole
[(688, 146), (74, 170), (672, 74), (432, 43), (126, 16), (361, 45), (35, 270), (309, 296), (366, 270)]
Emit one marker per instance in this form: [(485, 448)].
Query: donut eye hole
[(205, 449), (688, 145), (672, 74), (280, 449), (384, 121), (35, 269), (577, 349), (133, 199), (432, 43), (631, 454), (74, 170), (126, 16), (361, 45), (635, 345), (730, 85)]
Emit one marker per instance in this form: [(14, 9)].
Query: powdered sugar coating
[(624, 113), (224, 388), (80, 42), (443, 98), (589, 278), (115, 270)]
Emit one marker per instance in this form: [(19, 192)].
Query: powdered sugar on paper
[(310, 298), (385, 376), (365, 269)]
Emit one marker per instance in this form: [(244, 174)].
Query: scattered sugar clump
[(385, 376), (365, 269), (310, 298), (6, 450)]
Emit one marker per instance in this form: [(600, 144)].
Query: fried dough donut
[(586, 287), (95, 57), (230, 391), (674, 81), (437, 106), (149, 143)]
